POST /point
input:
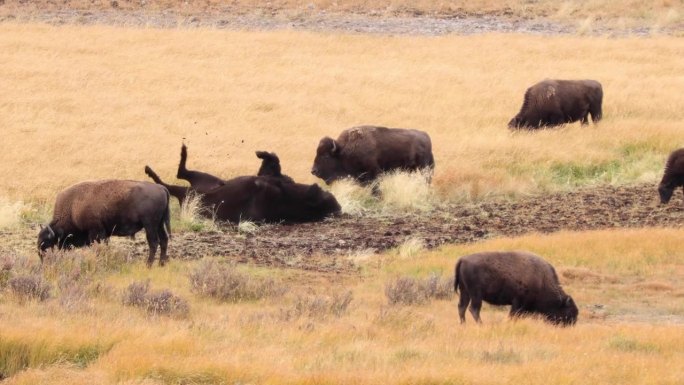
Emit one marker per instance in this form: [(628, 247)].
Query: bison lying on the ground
[(673, 176), (261, 199), (364, 152), (520, 279), (555, 102), (95, 210), (267, 197)]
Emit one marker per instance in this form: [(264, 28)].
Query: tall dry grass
[(101, 102), (628, 331)]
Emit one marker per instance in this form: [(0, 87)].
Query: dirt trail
[(311, 19), (326, 246)]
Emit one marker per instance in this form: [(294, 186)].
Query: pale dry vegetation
[(99, 102), (331, 329), (621, 12), (84, 103)]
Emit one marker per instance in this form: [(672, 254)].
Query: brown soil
[(327, 246)]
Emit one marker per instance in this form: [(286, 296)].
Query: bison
[(366, 151), (673, 176), (93, 211), (554, 102), (520, 279), (270, 166), (202, 182), (261, 199), (268, 197)]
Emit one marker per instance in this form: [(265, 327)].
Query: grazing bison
[(364, 152), (555, 102), (95, 210), (261, 199), (673, 176), (520, 279)]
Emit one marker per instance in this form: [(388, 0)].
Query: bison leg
[(152, 242), (585, 119), (475, 307), (517, 308), (463, 302), (596, 113), (96, 235), (163, 243)]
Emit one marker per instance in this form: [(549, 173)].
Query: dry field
[(97, 102), (341, 329)]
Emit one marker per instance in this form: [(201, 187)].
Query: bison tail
[(456, 274), (167, 215)]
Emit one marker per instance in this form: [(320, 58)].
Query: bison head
[(564, 313), (47, 239), (308, 202), (328, 164), (514, 123), (297, 202), (665, 193)]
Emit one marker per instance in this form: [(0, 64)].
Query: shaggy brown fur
[(673, 176), (261, 199), (270, 166), (554, 102), (366, 151), (93, 211), (520, 279)]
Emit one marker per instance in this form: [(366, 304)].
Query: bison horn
[(52, 233), (334, 146)]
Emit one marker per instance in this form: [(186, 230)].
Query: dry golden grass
[(101, 102), (631, 338)]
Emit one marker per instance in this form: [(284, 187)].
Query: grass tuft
[(30, 287), (162, 302), (407, 290), (225, 282)]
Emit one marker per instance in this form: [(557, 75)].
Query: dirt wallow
[(326, 246)]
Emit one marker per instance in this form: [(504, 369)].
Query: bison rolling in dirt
[(95, 210), (364, 152), (520, 279), (554, 102), (267, 197), (261, 199), (673, 176), (202, 182)]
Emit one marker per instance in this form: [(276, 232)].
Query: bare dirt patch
[(327, 246)]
